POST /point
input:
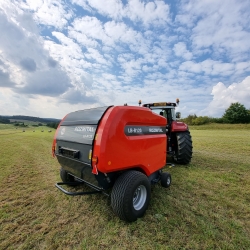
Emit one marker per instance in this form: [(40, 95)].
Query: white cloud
[(51, 82), (191, 66), (180, 50), (91, 27), (222, 25), (28, 67), (82, 39), (223, 97), (77, 96), (94, 54), (147, 12), (110, 8), (51, 13), (214, 68)]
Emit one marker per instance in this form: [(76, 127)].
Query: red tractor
[(179, 144)]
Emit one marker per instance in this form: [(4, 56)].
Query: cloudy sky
[(58, 56)]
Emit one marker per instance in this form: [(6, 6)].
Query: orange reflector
[(94, 162), (94, 159)]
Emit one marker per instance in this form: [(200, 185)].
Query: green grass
[(217, 126), (6, 126), (207, 206)]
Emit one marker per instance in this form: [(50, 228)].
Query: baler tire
[(130, 195), (184, 151), (166, 180), (66, 177)]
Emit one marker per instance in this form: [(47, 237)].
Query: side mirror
[(178, 115)]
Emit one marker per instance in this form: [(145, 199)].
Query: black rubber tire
[(124, 195), (184, 150), (65, 176), (166, 180)]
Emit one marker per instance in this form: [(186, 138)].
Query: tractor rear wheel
[(184, 149), (131, 195)]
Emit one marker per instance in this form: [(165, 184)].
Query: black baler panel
[(83, 149), (84, 117)]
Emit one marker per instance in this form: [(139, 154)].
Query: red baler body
[(116, 150)]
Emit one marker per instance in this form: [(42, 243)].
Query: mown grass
[(10, 129), (217, 126), (207, 206), (6, 126)]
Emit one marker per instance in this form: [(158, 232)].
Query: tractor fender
[(178, 126)]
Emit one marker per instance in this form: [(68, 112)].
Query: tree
[(200, 120), (237, 113), (52, 124), (189, 120)]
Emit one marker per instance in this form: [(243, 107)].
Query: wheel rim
[(168, 181), (139, 197)]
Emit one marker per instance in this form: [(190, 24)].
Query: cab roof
[(160, 105)]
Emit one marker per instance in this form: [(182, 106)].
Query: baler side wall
[(117, 151)]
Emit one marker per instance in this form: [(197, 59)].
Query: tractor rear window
[(167, 113)]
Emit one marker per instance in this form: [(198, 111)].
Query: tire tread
[(185, 147), (120, 194)]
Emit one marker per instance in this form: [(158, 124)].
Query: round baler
[(117, 150)]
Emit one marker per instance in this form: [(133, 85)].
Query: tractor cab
[(165, 109)]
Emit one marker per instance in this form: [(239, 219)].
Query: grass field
[(11, 128), (207, 206)]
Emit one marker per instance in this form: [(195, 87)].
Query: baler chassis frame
[(78, 183)]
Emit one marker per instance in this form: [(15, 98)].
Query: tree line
[(52, 124), (4, 120), (236, 113)]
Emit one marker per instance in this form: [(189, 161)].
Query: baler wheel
[(166, 180), (65, 176), (183, 153), (131, 195)]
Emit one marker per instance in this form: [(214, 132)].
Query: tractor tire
[(184, 150), (65, 176), (130, 195), (166, 180)]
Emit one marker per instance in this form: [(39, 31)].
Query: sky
[(59, 56)]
